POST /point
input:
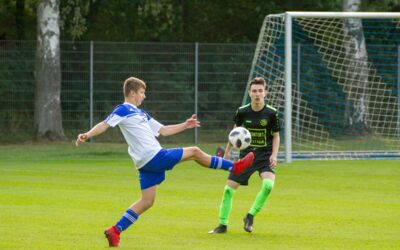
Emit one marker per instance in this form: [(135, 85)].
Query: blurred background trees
[(164, 20), (184, 21)]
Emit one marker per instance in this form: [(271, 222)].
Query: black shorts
[(260, 164)]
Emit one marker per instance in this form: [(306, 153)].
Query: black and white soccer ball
[(240, 138)]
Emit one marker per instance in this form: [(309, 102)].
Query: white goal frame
[(288, 18)]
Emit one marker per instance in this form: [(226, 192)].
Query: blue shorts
[(153, 173)]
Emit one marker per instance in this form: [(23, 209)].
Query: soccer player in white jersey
[(140, 131)]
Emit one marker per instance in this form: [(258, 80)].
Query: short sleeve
[(238, 118), (117, 116), (155, 126), (275, 122)]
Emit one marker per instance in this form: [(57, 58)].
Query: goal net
[(342, 78)]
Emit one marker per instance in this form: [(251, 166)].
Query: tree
[(357, 95), (20, 19), (73, 13), (48, 121)]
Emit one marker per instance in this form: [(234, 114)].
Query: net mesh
[(345, 81)]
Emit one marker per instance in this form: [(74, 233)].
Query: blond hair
[(133, 84)]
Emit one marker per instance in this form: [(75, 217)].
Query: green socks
[(262, 196), (226, 205), (227, 199)]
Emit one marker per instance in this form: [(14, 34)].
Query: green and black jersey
[(261, 124)]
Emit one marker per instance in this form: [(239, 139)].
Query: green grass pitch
[(63, 197)]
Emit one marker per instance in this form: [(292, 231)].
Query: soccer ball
[(240, 138)]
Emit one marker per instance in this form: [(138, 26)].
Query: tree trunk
[(48, 120), (357, 95)]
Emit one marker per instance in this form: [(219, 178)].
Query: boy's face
[(138, 96), (257, 93)]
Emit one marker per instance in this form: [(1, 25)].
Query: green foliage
[(380, 5), (16, 90), (168, 68), (166, 20), (17, 19), (157, 20), (72, 194), (72, 17)]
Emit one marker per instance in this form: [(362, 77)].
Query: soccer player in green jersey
[(262, 122)]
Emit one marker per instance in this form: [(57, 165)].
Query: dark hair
[(258, 81), (133, 84)]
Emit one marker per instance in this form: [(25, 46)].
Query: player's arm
[(273, 160), (177, 128), (228, 149), (99, 128), (238, 122)]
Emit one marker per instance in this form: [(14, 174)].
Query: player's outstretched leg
[(243, 163), (208, 161)]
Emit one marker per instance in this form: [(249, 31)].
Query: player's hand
[(192, 122), (81, 139), (273, 161)]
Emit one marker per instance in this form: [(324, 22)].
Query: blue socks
[(220, 163), (126, 220)]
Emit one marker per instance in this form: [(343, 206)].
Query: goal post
[(336, 78)]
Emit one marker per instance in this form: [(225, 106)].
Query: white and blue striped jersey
[(139, 130)]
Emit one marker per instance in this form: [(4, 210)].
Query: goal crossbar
[(365, 15)]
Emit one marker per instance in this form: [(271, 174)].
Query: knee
[(195, 151), (229, 191), (147, 203), (267, 185)]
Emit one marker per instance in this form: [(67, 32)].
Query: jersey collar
[(130, 104)]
